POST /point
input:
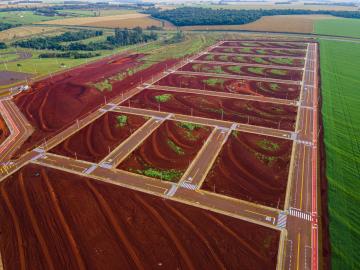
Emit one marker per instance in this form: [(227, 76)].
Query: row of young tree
[(186, 16), (125, 37)]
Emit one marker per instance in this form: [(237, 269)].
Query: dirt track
[(71, 222), (235, 110)]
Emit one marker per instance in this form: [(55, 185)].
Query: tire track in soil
[(115, 225), (55, 201), (198, 233), (41, 113), (158, 218), (16, 223), (34, 223)]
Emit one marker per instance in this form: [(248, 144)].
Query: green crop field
[(24, 17), (340, 69), (338, 27)]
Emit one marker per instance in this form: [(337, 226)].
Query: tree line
[(187, 16), (125, 37), (5, 26)]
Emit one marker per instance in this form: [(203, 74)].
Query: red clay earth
[(229, 109), (53, 104), (245, 87), (4, 130), (252, 167), (52, 219), (94, 142), (286, 62), (265, 44), (276, 52), (275, 73), (168, 151)]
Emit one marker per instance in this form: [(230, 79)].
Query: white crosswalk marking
[(188, 186), (300, 214), (282, 220), (172, 190)]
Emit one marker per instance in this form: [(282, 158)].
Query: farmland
[(125, 20), (264, 52), (338, 27), (341, 110), (280, 23), (26, 31)]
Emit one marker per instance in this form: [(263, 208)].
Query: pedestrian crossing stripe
[(188, 186), (300, 214), (282, 218)]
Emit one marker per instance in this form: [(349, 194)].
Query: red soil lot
[(53, 104), (274, 73), (253, 60), (245, 87), (252, 167), (4, 130), (158, 152), (276, 52), (265, 44), (234, 110), (93, 142), (52, 219)]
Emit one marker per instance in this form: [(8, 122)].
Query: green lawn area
[(338, 27), (91, 13), (340, 69), (24, 17)]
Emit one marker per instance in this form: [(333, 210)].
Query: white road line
[(299, 214)]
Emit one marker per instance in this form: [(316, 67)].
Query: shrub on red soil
[(168, 151), (285, 45), (95, 141), (54, 103), (72, 222), (230, 109), (4, 130), (275, 73), (245, 87), (276, 52), (252, 167), (284, 61)]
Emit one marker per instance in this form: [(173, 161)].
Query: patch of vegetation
[(163, 98), (259, 60), (189, 126), (267, 160), (2, 45), (179, 36), (74, 55), (177, 149), (236, 69), (214, 82), (121, 120), (280, 72), (5, 26), (128, 37), (274, 86), (340, 81), (287, 61), (103, 85), (235, 133), (268, 145), (210, 57), (165, 175), (245, 50), (256, 70)]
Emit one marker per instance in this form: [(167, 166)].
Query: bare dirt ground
[(56, 220), (281, 23)]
